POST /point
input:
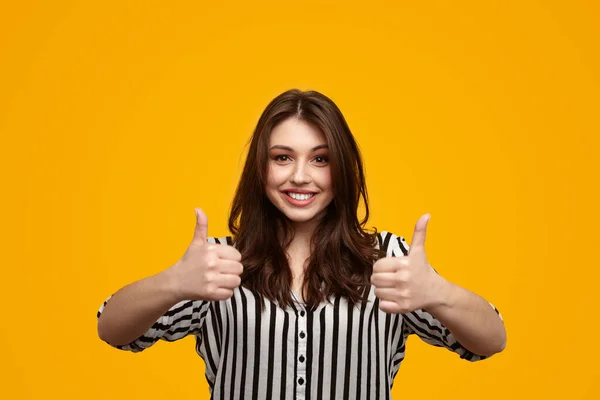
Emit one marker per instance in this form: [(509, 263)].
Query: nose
[(300, 175)]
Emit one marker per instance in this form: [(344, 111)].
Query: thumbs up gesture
[(206, 271), (405, 284)]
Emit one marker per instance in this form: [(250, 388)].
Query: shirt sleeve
[(184, 318), (431, 331), (420, 322)]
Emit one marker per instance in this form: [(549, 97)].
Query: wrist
[(441, 290), (168, 282)]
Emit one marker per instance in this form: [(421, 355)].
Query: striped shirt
[(332, 352)]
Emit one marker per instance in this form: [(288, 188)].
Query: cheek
[(275, 177), (325, 179)]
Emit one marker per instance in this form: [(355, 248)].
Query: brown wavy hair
[(342, 251)]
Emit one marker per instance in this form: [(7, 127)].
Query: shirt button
[(301, 359), (302, 313), (302, 335), (301, 381)]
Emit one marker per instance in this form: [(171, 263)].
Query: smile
[(299, 199), (300, 196)]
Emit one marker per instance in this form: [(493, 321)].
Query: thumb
[(201, 231), (418, 240)]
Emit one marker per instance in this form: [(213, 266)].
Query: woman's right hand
[(207, 271)]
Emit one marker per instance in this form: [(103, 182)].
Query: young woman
[(301, 301)]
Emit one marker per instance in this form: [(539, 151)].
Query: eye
[(282, 158), (322, 159)]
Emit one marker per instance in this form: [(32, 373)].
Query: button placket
[(301, 355)]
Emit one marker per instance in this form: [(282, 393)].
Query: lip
[(299, 191), (299, 203)]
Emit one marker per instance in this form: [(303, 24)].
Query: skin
[(205, 272), (405, 284), (298, 162)]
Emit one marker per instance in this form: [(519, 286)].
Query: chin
[(297, 217), (303, 217)]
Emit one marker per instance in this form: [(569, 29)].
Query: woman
[(301, 301)]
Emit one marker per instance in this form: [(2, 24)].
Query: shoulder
[(394, 245)]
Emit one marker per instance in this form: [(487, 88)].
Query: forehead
[(296, 134)]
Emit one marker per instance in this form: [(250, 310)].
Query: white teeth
[(299, 196)]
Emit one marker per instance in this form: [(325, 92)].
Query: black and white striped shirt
[(332, 352)]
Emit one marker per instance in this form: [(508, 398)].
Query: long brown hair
[(342, 252)]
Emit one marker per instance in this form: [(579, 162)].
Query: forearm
[(133, 310), (470, 318)]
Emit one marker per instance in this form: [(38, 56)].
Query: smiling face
[(299, 176)]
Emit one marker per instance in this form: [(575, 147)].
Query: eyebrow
[(287, 148)]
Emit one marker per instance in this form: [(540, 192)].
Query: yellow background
[(118, 118)]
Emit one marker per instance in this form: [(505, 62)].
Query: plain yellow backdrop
[(118, 118)]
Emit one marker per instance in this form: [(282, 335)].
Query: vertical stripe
[(234, 358), (348, 356), (199, 350), (368, 367), (359, 355), (334, 346), (353, 379), (216, 327), (387, 334), (271, 337), (263, 367), (217, 306), (386, 242), (310, 315), (321, 352), (240, 351), (257, 314), (394, 335), (284, 349), (245, 345), (225, 359), (210, 362), (328, 349), (377, 355), (348, 352), (370, 346)]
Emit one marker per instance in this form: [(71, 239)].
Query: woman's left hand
[(408, 283)]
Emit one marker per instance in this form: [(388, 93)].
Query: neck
[(303, 233), (298, 253)]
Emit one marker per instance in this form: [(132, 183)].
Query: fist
[(405, 284), (206, 271)]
